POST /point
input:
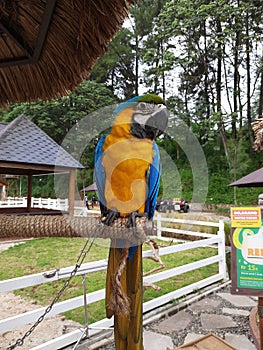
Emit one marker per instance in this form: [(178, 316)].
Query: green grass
[(41, 255)]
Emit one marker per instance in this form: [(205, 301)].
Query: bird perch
[(67, 226)]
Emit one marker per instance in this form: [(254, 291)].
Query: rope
[(118, 302), (67, 226)]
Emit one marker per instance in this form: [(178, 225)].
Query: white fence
[(206, 239), (47, 203)]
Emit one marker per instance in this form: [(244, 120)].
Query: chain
[(82, 256)]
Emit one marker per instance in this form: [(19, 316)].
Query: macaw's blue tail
[(127, 325)]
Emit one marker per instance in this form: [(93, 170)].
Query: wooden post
[(159, 225), (260, 317), (71, 192), (29, 192)]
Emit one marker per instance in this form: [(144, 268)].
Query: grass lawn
[(40, 255)]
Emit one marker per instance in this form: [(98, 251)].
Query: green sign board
[(247, 261)]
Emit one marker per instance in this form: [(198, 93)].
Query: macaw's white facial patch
[(145, 111)]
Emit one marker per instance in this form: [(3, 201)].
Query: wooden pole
[(29, 192), (260, 317), (71, 192)]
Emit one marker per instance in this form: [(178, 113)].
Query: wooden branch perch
[(155, 257)]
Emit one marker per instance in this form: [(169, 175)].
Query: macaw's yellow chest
[(126, 161)]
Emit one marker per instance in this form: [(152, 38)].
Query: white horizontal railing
[(16, 321), (47, 203), (13, 202)]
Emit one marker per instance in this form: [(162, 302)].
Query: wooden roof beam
[(43, 30), (31, 56)]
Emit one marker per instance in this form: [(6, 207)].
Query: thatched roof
[(48, 47)]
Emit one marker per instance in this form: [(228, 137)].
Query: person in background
[(86, 201), (93, 201)]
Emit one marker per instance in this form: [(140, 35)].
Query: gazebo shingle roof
[(21, 141)]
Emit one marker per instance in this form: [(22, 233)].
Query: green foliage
[(190, 52), (116, 67), (57, 117)]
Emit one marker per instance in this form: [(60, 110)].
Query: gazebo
[(254, 179), (27, 150), (92, 187)]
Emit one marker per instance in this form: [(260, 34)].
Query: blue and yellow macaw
[(127, 174)]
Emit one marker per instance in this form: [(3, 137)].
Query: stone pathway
[(220, 313)]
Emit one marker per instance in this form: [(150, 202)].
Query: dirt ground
[(50, 328)]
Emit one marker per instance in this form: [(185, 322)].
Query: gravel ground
[(196, 326)]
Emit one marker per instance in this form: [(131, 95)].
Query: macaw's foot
[(110, 216), (132, 221)]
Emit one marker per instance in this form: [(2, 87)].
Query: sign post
[(247, 256)]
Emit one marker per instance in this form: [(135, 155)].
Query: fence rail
[(217, 240), (47, 203)]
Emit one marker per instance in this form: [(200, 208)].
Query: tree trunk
[(260, 104), (136, 65), (249, 119)]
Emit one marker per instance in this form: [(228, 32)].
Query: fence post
[(222, 249), (49, 203), (66, 204), (159, 225)]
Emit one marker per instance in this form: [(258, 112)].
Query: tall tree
[(143, 16), (116, 67)]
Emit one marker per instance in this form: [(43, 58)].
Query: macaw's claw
[(132, 221), (110, 216)]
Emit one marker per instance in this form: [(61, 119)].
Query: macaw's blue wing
[(99, 173), (153, 182)]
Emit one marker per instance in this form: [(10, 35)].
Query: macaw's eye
[(142, 105), (144, 108)]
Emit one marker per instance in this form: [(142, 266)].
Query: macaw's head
[(144, 117), (150, 117)]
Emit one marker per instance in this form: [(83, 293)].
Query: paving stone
[(192, 336), (155, 341), (204, 305), (210, 321), (238, 300), (175, 323), (239, 341), (229, 311)]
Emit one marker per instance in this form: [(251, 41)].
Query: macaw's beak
[(149, 120), (158, 120)]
